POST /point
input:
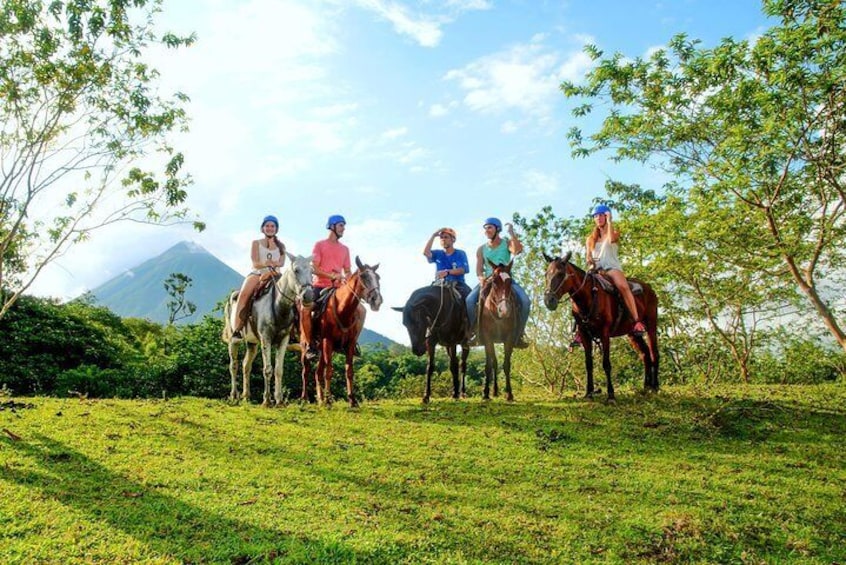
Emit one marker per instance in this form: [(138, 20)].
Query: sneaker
[(577, 341), (473, 340), (638, 329), (311, 352), (237, 335)]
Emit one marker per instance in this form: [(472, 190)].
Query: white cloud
[(525, 77), (423, 28), (538, 183)]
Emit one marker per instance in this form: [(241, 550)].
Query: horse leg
[(430, 368), (266, 370), (452, 351), (495, 371), (587, 345), (233, 371), (653, 356), (247, 368), (605, 341), (350, 373), (318, 380), (490, 368), (328, 370), (465, 352), (279, 368), (506, 368)]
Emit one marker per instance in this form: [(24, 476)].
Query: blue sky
[(404, 116)]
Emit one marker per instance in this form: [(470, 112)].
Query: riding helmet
[(493, 222), (334, 219), (270, 219), (600, 210), (450, 232)]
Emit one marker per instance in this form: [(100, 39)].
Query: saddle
[(451, 286), (608, 285), (266, 280)]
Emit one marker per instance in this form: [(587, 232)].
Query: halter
[(367, 293)]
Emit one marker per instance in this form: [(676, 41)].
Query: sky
[(404, 116)]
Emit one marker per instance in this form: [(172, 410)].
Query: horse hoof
[(509, 398), (425, 400)]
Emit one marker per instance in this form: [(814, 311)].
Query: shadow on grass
[(654, 417), (167, 526)]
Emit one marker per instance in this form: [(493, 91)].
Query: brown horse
[(600, 315), (339, 327), (497, 322)]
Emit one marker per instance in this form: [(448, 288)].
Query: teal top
[(499, 255)]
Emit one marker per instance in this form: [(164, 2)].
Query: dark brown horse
[(600, 315), (338, 328), (435, 315), (497, 322)]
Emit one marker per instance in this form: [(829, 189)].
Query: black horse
[(436, 315)]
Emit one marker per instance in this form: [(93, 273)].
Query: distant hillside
[(139, 292)]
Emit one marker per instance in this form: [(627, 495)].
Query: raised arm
[(427, 251), (515, 246)]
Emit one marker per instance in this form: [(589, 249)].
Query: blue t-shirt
[(444, 262)]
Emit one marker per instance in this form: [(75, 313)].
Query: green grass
[(728, 475)]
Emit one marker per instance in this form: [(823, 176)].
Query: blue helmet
[(270, 219), (493, 222), (600, 210), (334, 219)]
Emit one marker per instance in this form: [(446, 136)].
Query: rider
[(267, 254), (450, 263), (331, 264), (602, 255), (499, 251)]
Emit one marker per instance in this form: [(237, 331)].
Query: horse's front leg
[(587, 345), (430, 368), (266, 370), (350, 374), (605, 340), (233, 371), (465, 352), (452, 352), (327, 371), (318, 380), (279, 369), (490, 369), (506, 368)]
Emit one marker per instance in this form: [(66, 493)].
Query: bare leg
[(240, 313)]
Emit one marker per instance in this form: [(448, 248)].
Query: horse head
[(369, 279), (558, 279), (299, 278), (499, 290)]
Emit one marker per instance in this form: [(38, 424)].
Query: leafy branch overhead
[(752, 131), (84, 129)]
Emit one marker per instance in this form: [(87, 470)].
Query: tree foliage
[(753, 130), (83, 129)]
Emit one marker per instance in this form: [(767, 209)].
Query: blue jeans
[(525, 306)]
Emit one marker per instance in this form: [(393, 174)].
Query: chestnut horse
[(601, 315), (498, 317), (339, 326), (434, 315)]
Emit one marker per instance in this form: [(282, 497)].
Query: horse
[(498, 318), (436, 315), (339, 326), (269, 324), (600, 315)]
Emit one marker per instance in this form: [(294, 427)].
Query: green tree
[(754, 132), (178, 307), (79, 111)]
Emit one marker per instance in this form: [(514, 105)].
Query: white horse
[(269, 324)]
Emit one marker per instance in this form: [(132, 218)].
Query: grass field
[(724, 475)]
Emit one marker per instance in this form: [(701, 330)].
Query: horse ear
[(358, 262), (567, 257), (548, 258), (508, 266), (291, 256), (397, 308), (491, 263), (374, 267)]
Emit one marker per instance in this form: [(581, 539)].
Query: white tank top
[(605, 256), (265, 251)]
